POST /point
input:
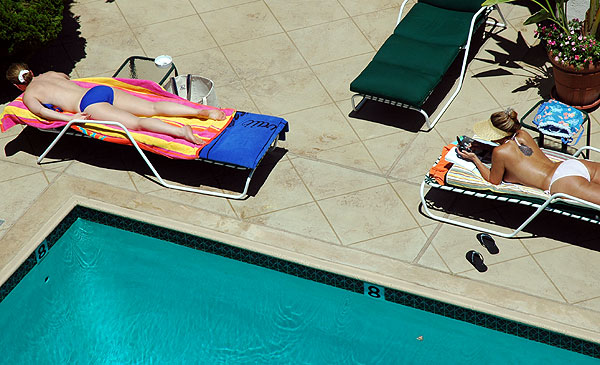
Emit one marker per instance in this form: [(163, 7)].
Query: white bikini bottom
[(570, 168)]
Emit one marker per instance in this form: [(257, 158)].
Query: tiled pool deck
[(342, 192)]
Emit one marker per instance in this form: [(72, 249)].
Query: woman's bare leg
[(578, 187), (105, 111), (144, 108)]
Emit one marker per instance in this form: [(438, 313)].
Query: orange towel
[(439, 170)]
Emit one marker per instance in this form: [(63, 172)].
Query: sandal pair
[(475, 258)]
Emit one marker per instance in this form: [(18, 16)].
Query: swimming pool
[(108, 293)]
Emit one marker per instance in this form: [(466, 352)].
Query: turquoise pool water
[(104, 295)]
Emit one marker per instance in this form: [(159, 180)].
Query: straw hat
[(485, 130)]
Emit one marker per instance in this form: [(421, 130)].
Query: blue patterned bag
[(556, 119)]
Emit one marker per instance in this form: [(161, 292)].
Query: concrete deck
[(342, 192)]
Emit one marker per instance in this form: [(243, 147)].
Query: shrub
[(29, 24)]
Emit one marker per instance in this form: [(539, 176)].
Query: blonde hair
[(15, 70), (506, 121)]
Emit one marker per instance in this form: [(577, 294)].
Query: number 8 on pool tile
[(41, 251), (374, 291)]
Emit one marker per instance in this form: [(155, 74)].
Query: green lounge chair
[(413, 60)]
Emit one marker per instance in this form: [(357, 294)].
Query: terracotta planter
[(579, 88)]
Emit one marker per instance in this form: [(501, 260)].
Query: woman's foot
[(188, 135), (214, 114)]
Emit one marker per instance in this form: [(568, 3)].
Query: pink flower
[(576, 57), (556, 58)]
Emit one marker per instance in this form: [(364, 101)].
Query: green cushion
[(435, 25), (416, 55), (472, 6), (390, 82)]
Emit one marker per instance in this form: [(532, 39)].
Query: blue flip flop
[(488, 242), (476, 259)]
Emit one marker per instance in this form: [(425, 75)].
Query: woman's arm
[(36, 107), (493, 175)]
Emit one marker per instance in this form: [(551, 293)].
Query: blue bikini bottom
[(97, 94)]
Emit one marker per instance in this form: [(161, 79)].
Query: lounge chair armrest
[(584, 148)]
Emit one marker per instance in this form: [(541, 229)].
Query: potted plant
[(573, 49)]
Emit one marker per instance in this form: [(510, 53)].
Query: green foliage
[(29, 24)]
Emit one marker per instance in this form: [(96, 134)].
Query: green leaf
[(540, 16)]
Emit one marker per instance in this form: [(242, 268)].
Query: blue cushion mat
[(245, 140)]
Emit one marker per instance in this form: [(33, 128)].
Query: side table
[(144, 68), (527, 122)]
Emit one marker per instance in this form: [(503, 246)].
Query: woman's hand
[(83, 116), (466, 155)]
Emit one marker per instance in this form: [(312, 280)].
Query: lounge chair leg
[(143, 155), (357, 107), (503, 24), (427, 120), (467, 225)]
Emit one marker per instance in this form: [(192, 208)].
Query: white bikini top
[(527, 151)]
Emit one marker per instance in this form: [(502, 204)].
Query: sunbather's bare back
[(53, 88), (534, 170)]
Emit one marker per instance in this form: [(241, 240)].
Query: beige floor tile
[(98, 18), (109, 52), (294, 14), (354, 156), (582, 279), (410, 194), (310, 135), (210, 63), (356, 7), (264, 56), (116, 175), (379, 25), (431, 259), (449, 129), (154, 11), (366, 129), (282, 189), (326, 180), (13, 205), (235, 96), (521, 274), (357, 223), (174, 37), (337, 40), (11, 171), (514, 10), (386, 150), (453, 242), (593, 304), (241, 23), (505, 47), (527, 31), (203, 6), (403, 246), (514, 87), (206, 202), (307, 220), (418, 157), (541, 244), (287, 92), (472, 98), (336, 76)]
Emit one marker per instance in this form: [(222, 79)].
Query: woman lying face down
[(54, 90), (518, 159)]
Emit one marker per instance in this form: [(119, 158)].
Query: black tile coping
[(339, 281)]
